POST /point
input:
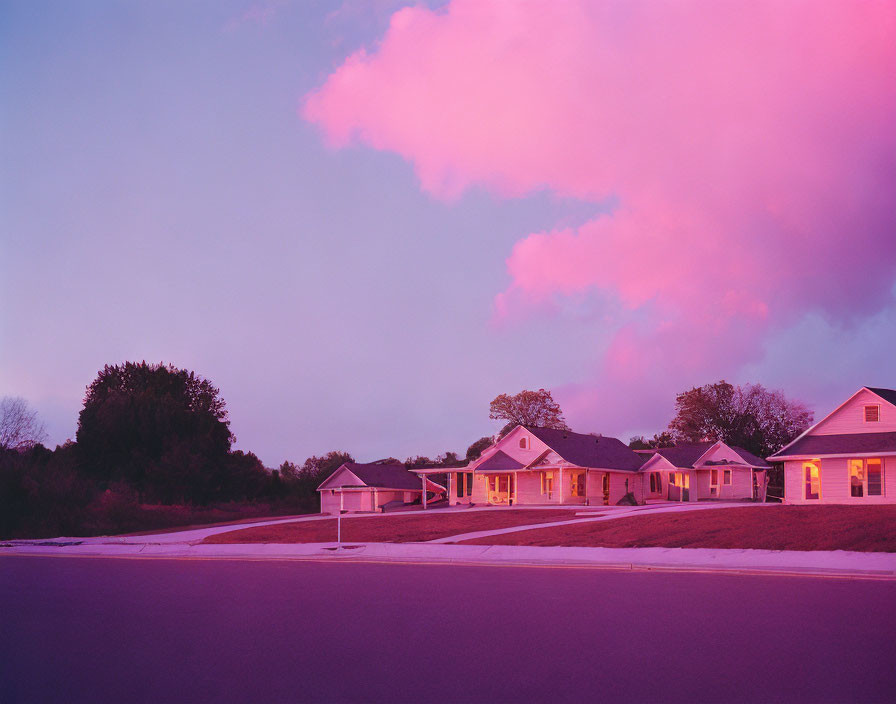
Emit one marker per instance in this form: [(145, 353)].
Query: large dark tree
[(533, 408), (748, 416), (161, 429), (663, 439)]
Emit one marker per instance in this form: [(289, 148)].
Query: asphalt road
[(154, 630)]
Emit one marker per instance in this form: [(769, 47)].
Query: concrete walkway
[(188, 545), (816, 564), (605, 513)]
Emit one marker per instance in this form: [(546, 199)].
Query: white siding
[(851, 418), (834, 476)]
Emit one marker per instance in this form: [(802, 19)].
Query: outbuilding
[(369, 487)]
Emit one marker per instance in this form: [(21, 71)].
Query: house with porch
[(848, 457), (532, 465), (699, 471), (359, 487)]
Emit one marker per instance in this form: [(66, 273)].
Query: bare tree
[(20, 428)]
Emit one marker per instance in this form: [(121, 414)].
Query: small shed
[(360, 487)]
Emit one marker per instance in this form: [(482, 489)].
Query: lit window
[(866, 477), (875, 477), (856, 478), (524, 443), (872, 414), (812, 481), (726, 477)]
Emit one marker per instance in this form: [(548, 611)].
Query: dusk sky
[(363, 221)]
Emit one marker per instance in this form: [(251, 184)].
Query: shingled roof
[(594, 451), (846, 444), (687, 455), (886, 394), (500, 462), (385, 476)]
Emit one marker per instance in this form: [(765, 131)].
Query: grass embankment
[(857, 528), (391, 529)]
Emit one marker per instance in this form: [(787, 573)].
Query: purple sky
[(363, 226)]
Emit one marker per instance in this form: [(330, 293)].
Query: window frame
[(805, 466), (524, 443), (865, 485), (865, 408), (727, 477)]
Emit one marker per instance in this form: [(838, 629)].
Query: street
[(160, 630)]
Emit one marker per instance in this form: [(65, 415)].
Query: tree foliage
[(748, 416), (663, 439), (475, 450), (20, 428), (532, 408), (164, 431)]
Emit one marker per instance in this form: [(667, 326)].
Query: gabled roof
[(688, 455), (845, 444), (888, 395), (684, 455), (383, 476), (594, 451), (500, 461)]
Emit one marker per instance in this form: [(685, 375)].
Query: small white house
[(848, 457), (699, 471), (368, 487)]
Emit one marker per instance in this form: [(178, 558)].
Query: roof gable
[(595, 451), (848, 417), (499, 461), (380, 476), (343, 476)]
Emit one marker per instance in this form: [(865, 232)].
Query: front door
[(499, 487), (713, 482), (606, 488)]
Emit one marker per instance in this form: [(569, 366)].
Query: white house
[(369, 487), (848, 457), (707, 470)]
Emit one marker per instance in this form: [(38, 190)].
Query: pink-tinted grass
[(391, 529), (858, 528)]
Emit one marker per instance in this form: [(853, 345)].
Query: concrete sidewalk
[(817, 564)]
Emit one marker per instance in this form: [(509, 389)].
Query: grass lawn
[(269, 516), (391, 529), (858, 528)]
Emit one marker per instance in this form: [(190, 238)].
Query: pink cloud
[(750, 145)]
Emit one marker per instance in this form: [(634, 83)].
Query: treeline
[(153, 449)]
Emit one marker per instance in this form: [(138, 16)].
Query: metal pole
[(339, 523)]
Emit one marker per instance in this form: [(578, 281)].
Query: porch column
[(423, 479), (448, 485), (560, 483), (587, 495), (516, 488), (375, 501)]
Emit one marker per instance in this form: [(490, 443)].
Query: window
[(872, 413), (875, 477), (502, 483), (580, 484), (812, 481), (460, 485), (524, 443), (656, 482), (493, 483), (547, 484), (856, 478), (469, 483), (866, 477), (726, 477)]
